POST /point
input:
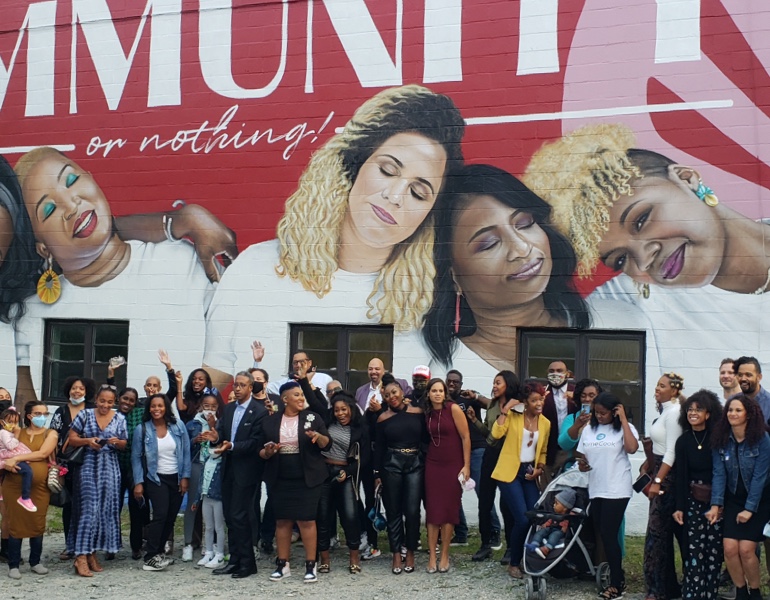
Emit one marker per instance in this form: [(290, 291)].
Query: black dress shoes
[(242, 573), (228, 569)]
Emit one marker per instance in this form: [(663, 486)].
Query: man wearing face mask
[(420, 378), (558, 404)]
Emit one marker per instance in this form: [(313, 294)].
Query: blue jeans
[(520, 495), (461, 530), (26, 479), (14, 551), (550, 537)]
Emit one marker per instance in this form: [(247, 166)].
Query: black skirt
[(291, 498), (735, 503)]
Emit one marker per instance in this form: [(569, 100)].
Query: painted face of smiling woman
[(500, 256), (70, 215)]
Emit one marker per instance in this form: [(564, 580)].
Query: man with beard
[(727, 379), (748, 372), (558, 404), (372, 391), (420, 378)]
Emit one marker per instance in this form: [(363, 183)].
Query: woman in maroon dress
[(448, 458)]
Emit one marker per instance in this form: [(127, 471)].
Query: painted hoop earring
[(49, 285)]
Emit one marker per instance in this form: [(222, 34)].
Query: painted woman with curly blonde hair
[(357, 233)]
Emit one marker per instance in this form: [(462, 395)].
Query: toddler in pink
[(11, 447)]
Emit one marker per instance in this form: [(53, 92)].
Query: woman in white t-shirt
[(603, 451)]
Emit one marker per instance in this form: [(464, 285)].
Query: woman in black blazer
[(294, 474)]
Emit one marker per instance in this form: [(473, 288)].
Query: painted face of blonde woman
[(395, 190), (68, 210), (664, 235), (501, 257)]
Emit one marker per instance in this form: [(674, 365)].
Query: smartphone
[(530, 470), (642, 482), (585, 409), (102, 441)]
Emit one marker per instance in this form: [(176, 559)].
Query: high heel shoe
[(93, 563), (81, 566)]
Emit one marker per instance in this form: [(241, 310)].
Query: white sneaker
[(39, 569), (206, 559), (154, 563), (282, 571), (334, 543), (187, 553), (364, 544), (216, 562), (14, 574)]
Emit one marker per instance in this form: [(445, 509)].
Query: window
[(614, 358), (344, 352), (81, 348)]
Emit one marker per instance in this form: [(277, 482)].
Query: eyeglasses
[(693, 409), (531, 439), (107, 386), (333, 391), (300, 362)]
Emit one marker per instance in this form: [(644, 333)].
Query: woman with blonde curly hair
[(358, 232), (641, 213)]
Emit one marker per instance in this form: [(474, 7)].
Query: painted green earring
[(706, 194)]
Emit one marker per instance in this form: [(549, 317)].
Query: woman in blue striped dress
[(96, 505)]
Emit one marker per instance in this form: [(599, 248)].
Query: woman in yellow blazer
[(521, 462)]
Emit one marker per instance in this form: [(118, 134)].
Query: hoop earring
[(706, 194), (457, 313), (49, 286)]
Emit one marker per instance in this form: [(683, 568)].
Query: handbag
[(72, 456), (60, 498), (701, 492), (375, 514), (55, 478)]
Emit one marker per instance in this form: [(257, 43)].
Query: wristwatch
[(658, 480)]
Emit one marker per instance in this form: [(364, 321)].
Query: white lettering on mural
[(207, 138), (39, 23), (112, 65), (538, 37), (678, 31), (677, 40), (443, 40), (215, 23)]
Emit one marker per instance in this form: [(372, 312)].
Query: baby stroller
[(572, 557)]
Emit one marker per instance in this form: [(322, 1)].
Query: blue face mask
[(39, 421)]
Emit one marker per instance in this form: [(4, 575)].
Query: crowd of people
[(327, 455)]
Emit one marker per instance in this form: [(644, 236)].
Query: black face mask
[(257, 387)]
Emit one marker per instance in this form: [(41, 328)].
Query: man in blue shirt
[(748, 372)]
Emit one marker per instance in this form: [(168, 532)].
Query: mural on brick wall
[(598, 166)]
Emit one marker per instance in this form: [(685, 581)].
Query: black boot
[(741, 593), (755, 594)]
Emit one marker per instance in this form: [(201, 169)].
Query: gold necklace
[(697, 441)]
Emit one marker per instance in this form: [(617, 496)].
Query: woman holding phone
[(603, 451), (96, 504)]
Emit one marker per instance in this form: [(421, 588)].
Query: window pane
[(67, 342), (355, 379), (614, 359), (543, 350), (110, 339), (59, 371), (371, 341), (630, 395), (325, 361), (317, 339)]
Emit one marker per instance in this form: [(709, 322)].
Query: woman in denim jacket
[(161, 466), (740, 491)]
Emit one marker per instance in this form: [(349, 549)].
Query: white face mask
[(208, 413), (77, 401), (557, 379)]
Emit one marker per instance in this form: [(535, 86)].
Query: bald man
[(373, 390)]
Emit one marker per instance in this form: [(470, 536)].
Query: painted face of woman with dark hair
[(501, 257), (70, 214), (664, 234), (394, 191)]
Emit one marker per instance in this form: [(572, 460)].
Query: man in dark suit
[(558, 404), (239, 433)]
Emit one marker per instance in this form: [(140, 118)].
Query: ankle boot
[(93, 563), (81, 566), (755, 594), (741, 593)]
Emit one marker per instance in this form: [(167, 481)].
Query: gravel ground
[(466, 579)]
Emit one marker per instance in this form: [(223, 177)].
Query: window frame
[(54, 396), (583, 338)]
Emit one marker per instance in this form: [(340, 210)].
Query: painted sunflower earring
[(49, 286)]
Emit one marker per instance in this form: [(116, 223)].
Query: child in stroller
[(551, 533)]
